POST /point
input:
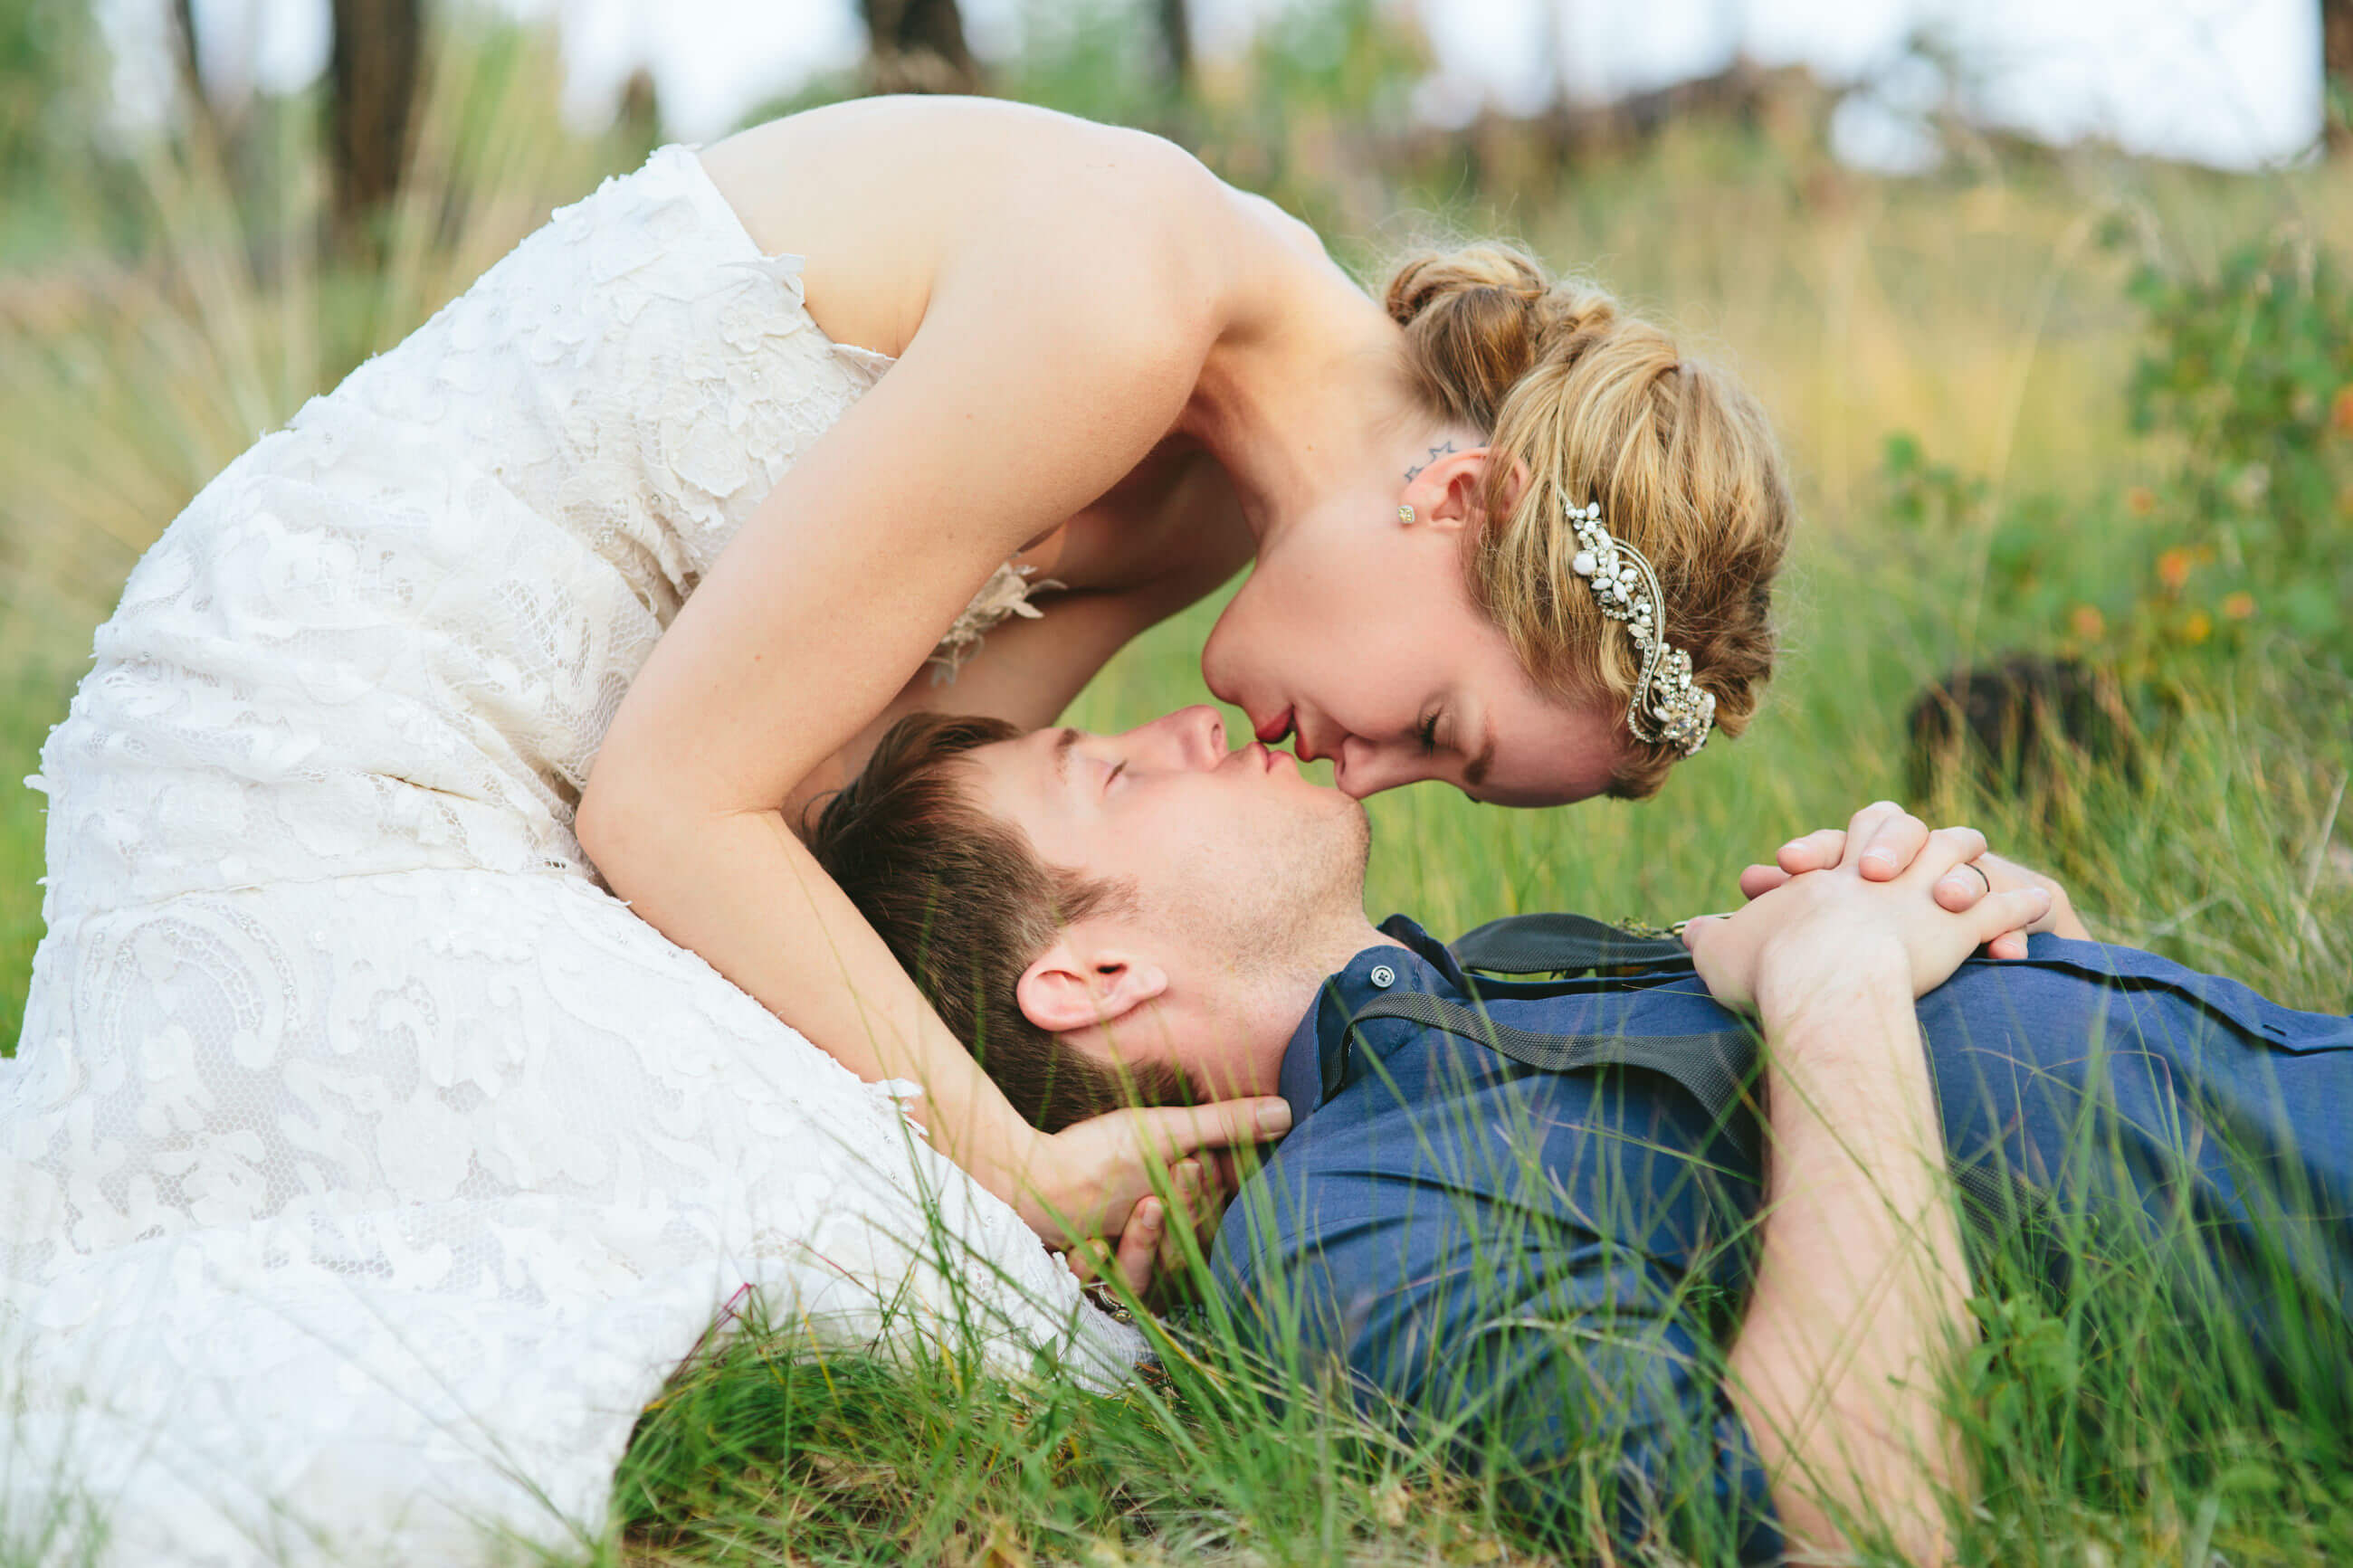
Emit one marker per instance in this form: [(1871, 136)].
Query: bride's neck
[(1302, 405)]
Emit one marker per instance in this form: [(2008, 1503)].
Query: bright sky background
[(2231, 82)]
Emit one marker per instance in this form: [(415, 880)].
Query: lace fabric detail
[(1006, 592), (365, 1166), (392, 635)]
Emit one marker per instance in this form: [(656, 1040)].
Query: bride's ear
[(1077, 984), (1450, 493)]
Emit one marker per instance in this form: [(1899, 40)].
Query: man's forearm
[(1861, 1285)]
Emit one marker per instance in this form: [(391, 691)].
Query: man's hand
[(1819, 929), (1896, 839)]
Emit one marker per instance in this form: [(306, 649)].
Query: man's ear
[(1080, 982), (1450, 493)]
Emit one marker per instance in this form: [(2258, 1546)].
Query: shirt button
[(1382, 976)]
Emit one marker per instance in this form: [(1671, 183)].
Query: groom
[(1525, 1211)]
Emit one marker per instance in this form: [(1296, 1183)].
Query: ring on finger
[(1973, 865)]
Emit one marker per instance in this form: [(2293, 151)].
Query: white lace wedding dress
[(365, 1166)]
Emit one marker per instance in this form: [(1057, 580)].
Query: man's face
[(1232, 855), (1237, 837)]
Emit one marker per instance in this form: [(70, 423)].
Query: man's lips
[(1275, 729), (1260, 757)]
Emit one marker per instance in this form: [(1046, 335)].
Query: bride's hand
[(1149, 1254), (1897, 838), (1820, 926), (1085, 1181)]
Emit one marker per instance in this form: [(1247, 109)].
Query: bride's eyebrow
[(1064, 738)]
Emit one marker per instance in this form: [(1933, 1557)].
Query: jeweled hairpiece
[(1667, 708)]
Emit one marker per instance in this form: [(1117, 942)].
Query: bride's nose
[(1361, 768)]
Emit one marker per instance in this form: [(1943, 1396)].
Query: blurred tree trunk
[(186, 54), (218, 118), (638, 119), (1176, 43), (918, 45), (2337, 69), (372, 71)]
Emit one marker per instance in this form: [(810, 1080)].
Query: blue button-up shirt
[(1535, 1266)]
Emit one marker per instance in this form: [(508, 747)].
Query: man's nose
[(1191, 737)]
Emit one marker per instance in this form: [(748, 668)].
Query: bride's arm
[(1048, 364)]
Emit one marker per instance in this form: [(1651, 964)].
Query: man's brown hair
[(966, 904)]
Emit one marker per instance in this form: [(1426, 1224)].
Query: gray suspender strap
[(1558, 945), (1711, 1068)]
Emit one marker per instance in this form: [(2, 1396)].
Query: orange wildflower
[(2340, 411), (2173, 568), (2238, 606), (2088, 623), (2140, 501)]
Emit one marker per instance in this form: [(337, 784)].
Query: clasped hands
[(1883, 887)]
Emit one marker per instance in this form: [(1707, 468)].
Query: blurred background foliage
[(2073, 434), (2060, 412)]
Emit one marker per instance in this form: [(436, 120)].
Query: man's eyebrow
[(1475, 773), (1064, 738)]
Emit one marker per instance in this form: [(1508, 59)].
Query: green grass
[(1979, 312), (30, 701)]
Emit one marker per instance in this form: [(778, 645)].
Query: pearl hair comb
[(1667, 708)]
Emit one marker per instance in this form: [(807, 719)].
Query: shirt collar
[(1315, 1063)]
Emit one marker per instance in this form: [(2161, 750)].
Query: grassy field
[(1985, 314)]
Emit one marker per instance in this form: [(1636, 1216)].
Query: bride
[(439, 1019)]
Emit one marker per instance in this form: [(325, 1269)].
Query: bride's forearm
[(741, 890)]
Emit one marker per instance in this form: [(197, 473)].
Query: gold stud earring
[(1405, 514)]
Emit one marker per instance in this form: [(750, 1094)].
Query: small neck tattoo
[(1435, 452)]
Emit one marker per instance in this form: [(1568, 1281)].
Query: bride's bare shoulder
[(974, 137), (885, 194)]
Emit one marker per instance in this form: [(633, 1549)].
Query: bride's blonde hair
[(1601, 406)]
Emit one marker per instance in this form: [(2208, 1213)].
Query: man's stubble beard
[(1313, 884)]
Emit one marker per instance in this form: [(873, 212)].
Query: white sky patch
[(1887, 123), (712, 61), (2210, 79), (1609, 51), (1501, 51), (2235, 83), (1843, 40)]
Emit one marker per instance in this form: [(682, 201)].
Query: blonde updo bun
[(1602, 406)]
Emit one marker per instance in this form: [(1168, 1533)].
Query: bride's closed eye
[(1428, 734)]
